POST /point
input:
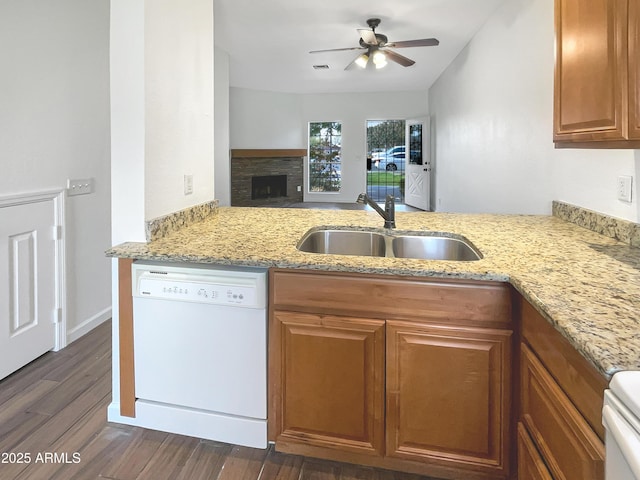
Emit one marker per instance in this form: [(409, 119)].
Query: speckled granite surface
[(587, 285), (623, 230), (167, 224)]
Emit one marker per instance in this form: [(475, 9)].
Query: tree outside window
[(325, 145)]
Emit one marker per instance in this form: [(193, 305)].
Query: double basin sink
[(373, 243)]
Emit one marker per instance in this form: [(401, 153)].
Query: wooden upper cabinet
[(595, 94)]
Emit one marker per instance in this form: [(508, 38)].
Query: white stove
[(621, 418)]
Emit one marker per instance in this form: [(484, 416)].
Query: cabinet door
[(530, 463), (591, 70), (448, 395), (571, 449), (331, 383), (634, 70)]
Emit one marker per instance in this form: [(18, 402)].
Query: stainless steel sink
[(433, 248), (344, 242), (420, 245)]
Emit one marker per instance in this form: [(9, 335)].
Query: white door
[(417, 180), (27, 283)]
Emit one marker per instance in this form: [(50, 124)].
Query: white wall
[(178, 60), (222, 161), (127, 122), (54, 125), (492, 113), (161, 110), (261, 119)]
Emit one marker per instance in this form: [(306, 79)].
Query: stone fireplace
[(262, 178)]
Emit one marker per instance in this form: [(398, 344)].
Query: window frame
[(324, 168)]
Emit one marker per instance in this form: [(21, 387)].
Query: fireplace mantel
[(268, 153)]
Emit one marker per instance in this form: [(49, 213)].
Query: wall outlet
[(624, 188), (299, 188), (79, 186), (188, 184)]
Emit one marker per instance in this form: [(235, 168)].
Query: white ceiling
[(268, 41)]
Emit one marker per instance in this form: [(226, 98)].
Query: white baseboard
[(88, 325)]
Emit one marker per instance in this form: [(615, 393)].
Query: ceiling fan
[(378, 50)]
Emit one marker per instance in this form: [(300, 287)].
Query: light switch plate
[(624, 187), (79, 186), (188, 184)]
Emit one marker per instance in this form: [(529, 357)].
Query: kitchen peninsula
[(583, 285)]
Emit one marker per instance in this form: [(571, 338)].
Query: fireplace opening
[(268, 186)]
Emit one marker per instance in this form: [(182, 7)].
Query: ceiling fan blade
[(396, 57), (368, 36), (424, 42), (337, 49)]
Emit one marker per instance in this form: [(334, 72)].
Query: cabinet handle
[(626, 438)]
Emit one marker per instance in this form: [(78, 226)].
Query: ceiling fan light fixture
[(379, 59), (362, 60)]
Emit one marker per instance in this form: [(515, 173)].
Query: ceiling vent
[(321, 67)]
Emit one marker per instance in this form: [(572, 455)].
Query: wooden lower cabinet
[(425, 392), (570, 448), (561, 397), (448, 395), (332, 382), (530, 463)]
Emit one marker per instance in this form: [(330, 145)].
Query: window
[(386, 159), (325, 139)]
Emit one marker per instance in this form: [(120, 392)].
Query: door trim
[(58, 199)]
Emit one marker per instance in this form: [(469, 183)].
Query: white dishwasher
[(200, 350), (621, 419)]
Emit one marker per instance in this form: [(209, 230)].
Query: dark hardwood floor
[(53, 426)]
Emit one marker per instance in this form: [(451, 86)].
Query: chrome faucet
[(389, 212)]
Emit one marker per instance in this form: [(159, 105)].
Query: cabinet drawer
[(571, 449), (530, 463)]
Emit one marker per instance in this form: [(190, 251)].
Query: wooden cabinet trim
[(634, 70), (580, 381), (125, 327), (568, 444), (531, 466)]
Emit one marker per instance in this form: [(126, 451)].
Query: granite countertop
[(586, 284)]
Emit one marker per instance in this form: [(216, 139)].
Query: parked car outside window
[(393, 159)]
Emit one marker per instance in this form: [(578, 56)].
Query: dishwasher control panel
[(212, 287), (197, 292)]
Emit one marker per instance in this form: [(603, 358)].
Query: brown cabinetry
[(447, 392), (596, 101), (399, 373), (530, 463), (334, 379), (558, 427)]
